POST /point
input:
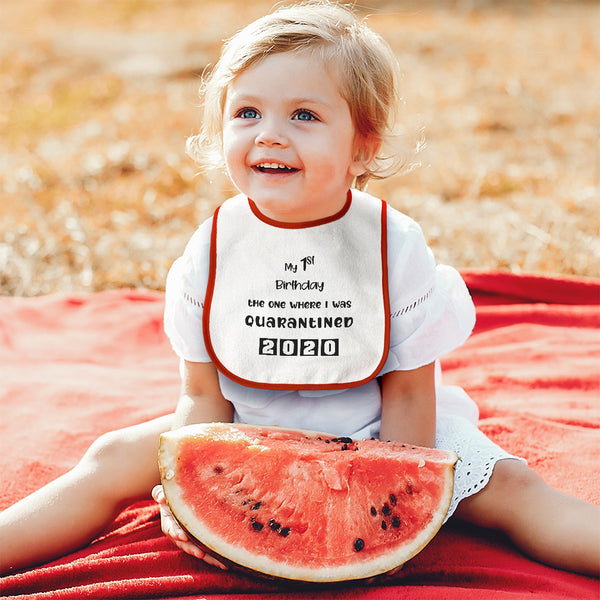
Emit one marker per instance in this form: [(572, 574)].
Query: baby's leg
[(119, 468), (550, 526)]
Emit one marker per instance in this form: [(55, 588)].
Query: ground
[(97, 98)]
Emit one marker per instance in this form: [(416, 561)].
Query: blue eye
[(248, 113), (304, 115)]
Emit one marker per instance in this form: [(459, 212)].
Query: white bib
[(298, 305)]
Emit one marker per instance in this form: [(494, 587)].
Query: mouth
[(274, 168)]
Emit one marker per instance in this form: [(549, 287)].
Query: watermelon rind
[(213, 542)]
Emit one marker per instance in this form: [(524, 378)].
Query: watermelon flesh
[(303, 505)]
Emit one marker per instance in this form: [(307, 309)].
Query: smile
[(268, 167)]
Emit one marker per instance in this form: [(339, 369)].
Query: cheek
[(232, 152)]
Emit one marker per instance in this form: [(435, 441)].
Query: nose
[(270, 134)]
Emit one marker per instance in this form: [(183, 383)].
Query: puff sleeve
[(184, 297), (431, 308)]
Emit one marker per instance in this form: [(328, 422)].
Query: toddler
[(306, 302)]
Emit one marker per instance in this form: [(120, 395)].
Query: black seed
[(386, 510), (257, 526), (274, 525), (392, 500), (345, 447), (218, 470), (327, 441), (383, 525), (359, 544), (373, 510), (342, 440), (395, 521), (284, 531), (256, 506), (409, 489)]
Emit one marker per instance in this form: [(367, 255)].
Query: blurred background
[(97, 98)]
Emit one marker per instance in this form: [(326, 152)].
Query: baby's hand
[(178, 536)]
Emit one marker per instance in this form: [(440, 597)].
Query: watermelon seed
[(345, 447), (409, 489), (383, 525), (218, 469), (274, 525), (256, 506), (395, 521), (256, 525), (373, 510), (359, 544), (392, 500), (386, 510), (343, 440), (284, 531)]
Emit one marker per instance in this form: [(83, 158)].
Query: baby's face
[(288, 138)]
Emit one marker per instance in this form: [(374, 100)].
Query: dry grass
[(97, 98)]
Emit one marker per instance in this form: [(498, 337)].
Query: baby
[(306, 302)]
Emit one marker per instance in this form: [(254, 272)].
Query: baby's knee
[(107, 463), (123, 463), (108, 449), (511, 485), (513, 477)]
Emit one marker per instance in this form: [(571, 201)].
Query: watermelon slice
[(303, 505)]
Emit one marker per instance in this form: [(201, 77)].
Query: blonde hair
[(366, 65)]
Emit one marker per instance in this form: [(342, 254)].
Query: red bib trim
[(298, 305)]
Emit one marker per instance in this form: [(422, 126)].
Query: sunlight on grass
[(97, 192), (65, 105)]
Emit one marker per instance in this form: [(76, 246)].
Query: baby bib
[(298, 305)]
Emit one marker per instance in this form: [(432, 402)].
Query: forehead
[(287, 75)]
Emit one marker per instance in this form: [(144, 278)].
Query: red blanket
[(75, 366)]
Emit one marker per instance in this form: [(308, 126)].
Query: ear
[(365, 150)]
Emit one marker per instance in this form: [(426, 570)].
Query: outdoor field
[(97, 98)]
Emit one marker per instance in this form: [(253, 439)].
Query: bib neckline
[(301, 224)]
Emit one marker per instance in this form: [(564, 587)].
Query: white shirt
[(431, 314)]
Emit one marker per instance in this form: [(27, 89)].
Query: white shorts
[(477, 456)]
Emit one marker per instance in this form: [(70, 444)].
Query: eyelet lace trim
[(478, 456)]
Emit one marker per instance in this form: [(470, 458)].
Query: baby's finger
[(159, 494), (170, 526), (191, 548), (211, 560)]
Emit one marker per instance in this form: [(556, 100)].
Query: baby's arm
[(408, 406), (200, 401)]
